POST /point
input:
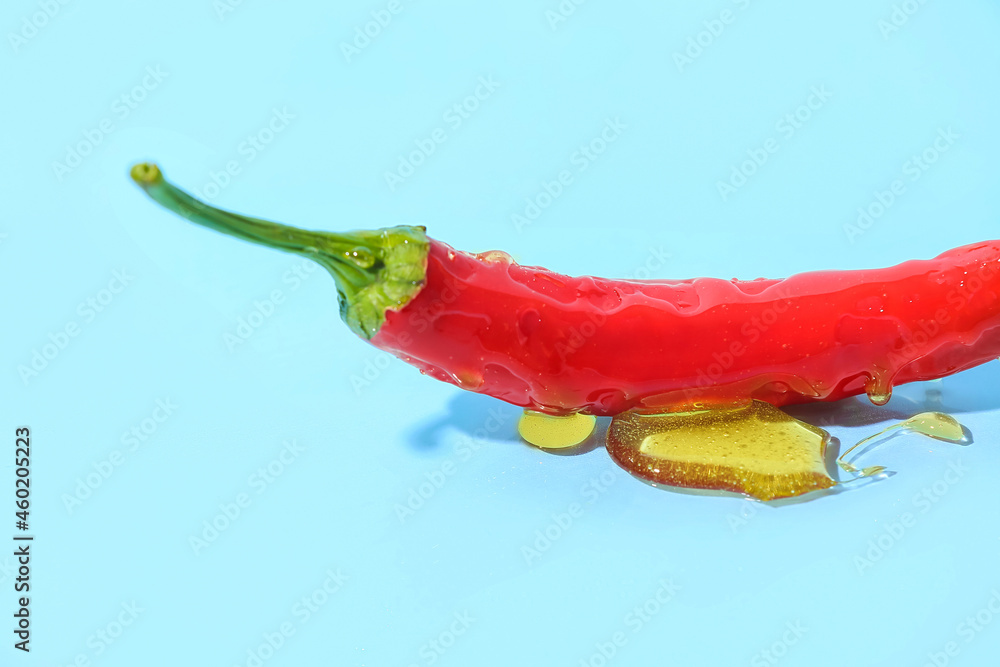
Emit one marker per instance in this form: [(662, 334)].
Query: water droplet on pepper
[(469, 380), (496, 257), (361, 257)]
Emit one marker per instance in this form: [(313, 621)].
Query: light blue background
[(745, 573)]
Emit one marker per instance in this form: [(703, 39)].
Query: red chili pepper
[(559, 344)]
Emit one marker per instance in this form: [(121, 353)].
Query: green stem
[(375, 270)]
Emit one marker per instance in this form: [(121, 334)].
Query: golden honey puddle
[(757, 450)]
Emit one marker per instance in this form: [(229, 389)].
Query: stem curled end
[(146, 173), (375, 271)]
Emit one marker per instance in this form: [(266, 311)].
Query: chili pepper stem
[(375, 270)]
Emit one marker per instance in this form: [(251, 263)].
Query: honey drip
[(757, 450), (935, 425), (879, 387)]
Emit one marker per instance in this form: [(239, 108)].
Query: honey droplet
[(879, 387), (552, 432), (879, 398), (936, 425), (756, 450)]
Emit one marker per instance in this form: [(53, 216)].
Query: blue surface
[(642, 575)]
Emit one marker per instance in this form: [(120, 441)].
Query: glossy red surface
[(561, 344)]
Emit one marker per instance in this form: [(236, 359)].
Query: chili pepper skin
[(559, 344)]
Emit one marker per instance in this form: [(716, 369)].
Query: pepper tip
[(146, 173)]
